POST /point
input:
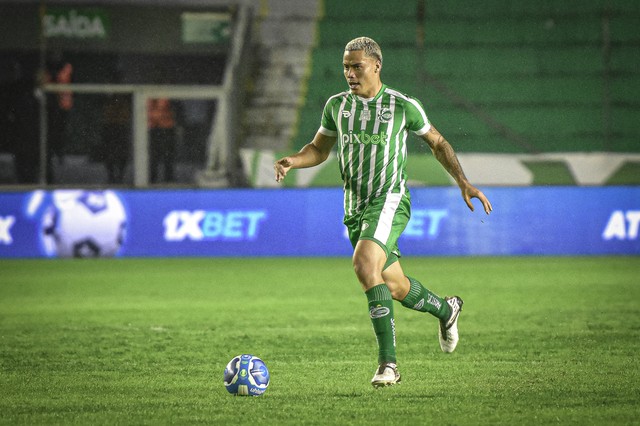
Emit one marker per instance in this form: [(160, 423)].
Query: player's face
[(362, 73)]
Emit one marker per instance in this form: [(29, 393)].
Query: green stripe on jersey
[(372, 136)]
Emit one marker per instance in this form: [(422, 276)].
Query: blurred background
[(207, 93), (150, 127)]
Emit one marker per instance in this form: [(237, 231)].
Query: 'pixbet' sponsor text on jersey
[(365, 138)]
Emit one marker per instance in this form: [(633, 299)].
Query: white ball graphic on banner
[(84, 224)]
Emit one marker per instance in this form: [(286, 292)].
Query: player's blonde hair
[(368, 45)]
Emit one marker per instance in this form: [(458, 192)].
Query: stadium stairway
[(284, 39)]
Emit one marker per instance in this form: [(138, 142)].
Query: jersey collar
[(367, 100)]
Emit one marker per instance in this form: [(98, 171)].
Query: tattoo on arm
[(447, 157)]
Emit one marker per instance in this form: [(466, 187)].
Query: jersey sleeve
[(417, 120), (327, 123)]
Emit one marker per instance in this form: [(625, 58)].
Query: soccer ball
[(83, 224), (246, 375)]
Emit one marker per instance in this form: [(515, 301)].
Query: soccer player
[(371, 122)]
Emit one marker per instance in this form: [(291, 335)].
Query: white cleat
[(448, 334), (386, 375)]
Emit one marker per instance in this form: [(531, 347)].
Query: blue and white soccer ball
[(246, 375), (81, 223)]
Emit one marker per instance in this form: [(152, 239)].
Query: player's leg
[(412, 294), (371, 233), (421, 299), (368, 260)]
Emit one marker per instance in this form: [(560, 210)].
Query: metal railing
[(222, 140)]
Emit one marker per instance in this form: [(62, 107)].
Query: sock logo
[(378, 312), (434, 301), (419, 305), (393, 330)]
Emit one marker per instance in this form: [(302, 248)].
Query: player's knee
[(359, 267), (366, 272), (368, 261)]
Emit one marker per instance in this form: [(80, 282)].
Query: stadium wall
[(308, 222)]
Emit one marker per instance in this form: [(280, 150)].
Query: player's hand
[(282, 167), (469, 191)]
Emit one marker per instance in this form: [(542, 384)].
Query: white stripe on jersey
[(363, 116), (352, 117), (372, 167), (418, 107), (324, 130), (376, 124), (403, 135), (361, 149), (327, 132), (385, 221), (339, 126), (387, 146), (350, 164), (403, 183), (337, 119), (374, 151), (341, 158), (396, 158), (424, 130)]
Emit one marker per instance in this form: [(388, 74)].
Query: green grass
[(134, 341)]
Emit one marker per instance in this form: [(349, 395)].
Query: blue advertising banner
[(308, 222)]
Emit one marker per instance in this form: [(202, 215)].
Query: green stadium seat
[(497, 75), (483, 61), (625, 89), (625, 59), (625, 119), (501, 32), (337, 32), (624, 28), (358, 11), (507, 8), (529, 91)]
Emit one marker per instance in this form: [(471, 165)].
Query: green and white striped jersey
[(372, 136)]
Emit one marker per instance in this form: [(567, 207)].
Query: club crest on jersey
[(384, 115)]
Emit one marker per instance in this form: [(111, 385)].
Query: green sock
[(381, 313), (421, 299)]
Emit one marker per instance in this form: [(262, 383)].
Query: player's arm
[(444, 153), (312, 154)]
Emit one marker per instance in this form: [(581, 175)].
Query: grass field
[(145, 341)]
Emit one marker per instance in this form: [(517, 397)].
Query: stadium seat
[(498, 76)]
